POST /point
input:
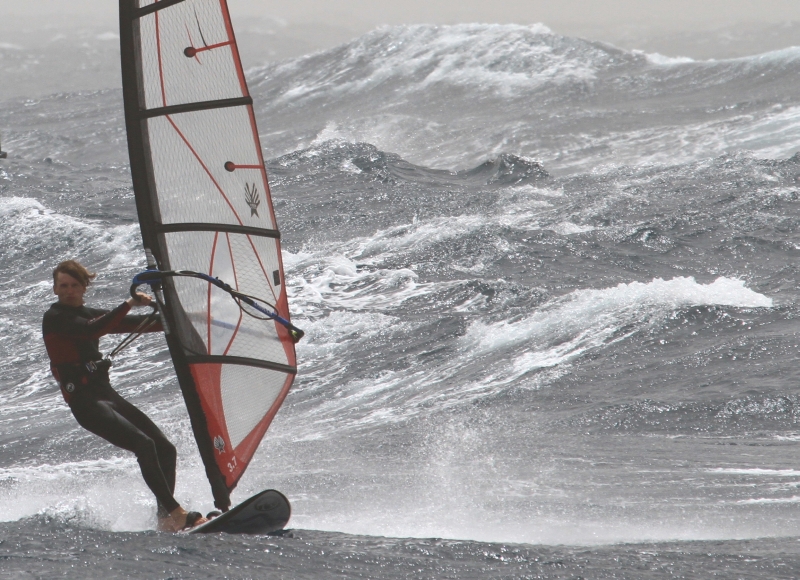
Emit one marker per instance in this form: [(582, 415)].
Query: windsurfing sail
[(3, 154), (204, 205)]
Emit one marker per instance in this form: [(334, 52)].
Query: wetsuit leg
[(101, 418), (167, 454)]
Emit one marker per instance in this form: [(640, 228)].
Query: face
[(69, 290)]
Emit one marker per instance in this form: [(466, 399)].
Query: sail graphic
[(204, 204)]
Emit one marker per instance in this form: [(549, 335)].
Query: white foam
[(27, 224), (67, 470), (515, 63), (586, 320), (756, 471), (595, 315), (23, 394), (529, 189), (335, 282), (32, 489), (569, 228), (352, 276), (531, 352), (107, 492), (769, 500), (788, 54), (662, 60), (500, 57), (771, 134), (526, 215)]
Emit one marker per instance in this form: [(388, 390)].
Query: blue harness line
[(154, 277)]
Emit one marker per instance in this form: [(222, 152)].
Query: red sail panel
[(254, 406), (204, 204)]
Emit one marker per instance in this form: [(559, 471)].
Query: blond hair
[(76, 270)]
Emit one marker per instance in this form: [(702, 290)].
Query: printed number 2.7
[(232, 464)]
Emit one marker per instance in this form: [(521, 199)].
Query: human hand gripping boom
[(140, 299)]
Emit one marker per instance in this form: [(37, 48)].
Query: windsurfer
[(71, 335)]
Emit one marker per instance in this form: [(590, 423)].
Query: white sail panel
[(189, 153), (248, 394), (248, 264), (172, 78)]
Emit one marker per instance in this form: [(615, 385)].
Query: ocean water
[(549, 292)]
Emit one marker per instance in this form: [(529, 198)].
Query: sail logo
[(252, 198), (219, 444)]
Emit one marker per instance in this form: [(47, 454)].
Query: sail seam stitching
[(236, 283)]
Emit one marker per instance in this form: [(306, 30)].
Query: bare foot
[(179, 519)]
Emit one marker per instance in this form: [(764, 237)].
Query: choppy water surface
[(549, 290)]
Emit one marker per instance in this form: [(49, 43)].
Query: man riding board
[(71, 335)]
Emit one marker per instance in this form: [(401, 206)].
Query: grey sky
[(659, 14), (667, 14)]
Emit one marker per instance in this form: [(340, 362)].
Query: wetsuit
[(71, 335)]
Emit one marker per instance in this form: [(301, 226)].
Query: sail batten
[(204, 205), (197, 106), (152, 6), (232, 229), (234, 360)]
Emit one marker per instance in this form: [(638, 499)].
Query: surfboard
[(264, 513)]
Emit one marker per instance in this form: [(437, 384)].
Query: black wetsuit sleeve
[(103, 322)]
